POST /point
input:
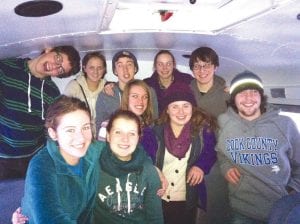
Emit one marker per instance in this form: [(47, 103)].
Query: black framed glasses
[(59, 60)]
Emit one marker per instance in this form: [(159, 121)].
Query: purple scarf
[(178, 146)]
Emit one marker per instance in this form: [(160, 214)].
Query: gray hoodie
[(106, 105), (214, 101), (266, 151)]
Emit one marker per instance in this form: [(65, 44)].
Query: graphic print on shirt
[(253, 151), (123, 199)]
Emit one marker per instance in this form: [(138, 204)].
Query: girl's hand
[(195, 176), (18, 217), (164, 183)]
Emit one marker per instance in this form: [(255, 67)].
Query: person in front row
[(127, 190), (26, 91), (186, 140), (258, 151), (128, 183), (60, 184)]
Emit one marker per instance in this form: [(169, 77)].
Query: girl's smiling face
[(123, 138), (94, 69), (138, 100), (180, 112), (73, 134)]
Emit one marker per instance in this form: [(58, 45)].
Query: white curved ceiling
[(264, 37)]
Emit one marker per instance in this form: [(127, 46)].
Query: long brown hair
[(147, 116)]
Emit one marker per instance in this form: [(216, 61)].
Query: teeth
[(46, 67), (123, 146), (79, 146), (248, 104)]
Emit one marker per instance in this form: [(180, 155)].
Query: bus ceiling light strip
[(206, 16)]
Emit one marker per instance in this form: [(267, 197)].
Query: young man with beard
[(258, 151), (26, 91)]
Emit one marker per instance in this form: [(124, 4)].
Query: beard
[(250, 114)]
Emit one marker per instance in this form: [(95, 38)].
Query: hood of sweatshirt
[(115, 167), (82, 81)]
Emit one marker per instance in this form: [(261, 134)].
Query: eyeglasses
[(59, 60), (205, 66)]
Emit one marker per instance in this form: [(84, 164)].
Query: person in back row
[(258, 151), (26, 92), (124, 66), (165, 75), (211, 95), (90, 82), (209, 89)]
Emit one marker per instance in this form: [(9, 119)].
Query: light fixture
[(165, 15), (206, 16), (38, 8)]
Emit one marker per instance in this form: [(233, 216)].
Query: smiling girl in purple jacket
[(186, 141)]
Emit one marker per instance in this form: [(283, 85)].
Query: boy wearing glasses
[(208, 88), (26, 91), (211, 95)]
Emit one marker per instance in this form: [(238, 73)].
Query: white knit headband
[(245, 81)]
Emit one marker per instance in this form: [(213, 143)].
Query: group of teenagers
[(157, 150)]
